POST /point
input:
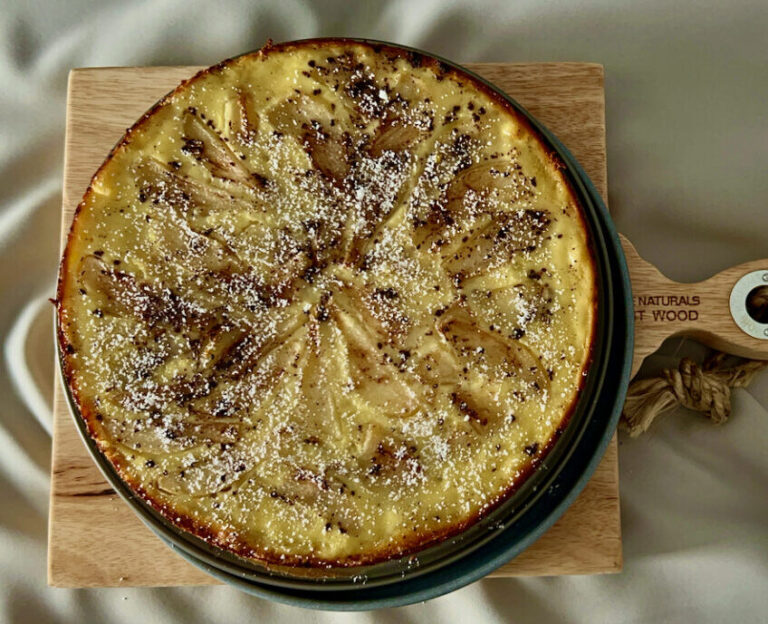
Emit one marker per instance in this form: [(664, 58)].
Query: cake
[(327, 303)]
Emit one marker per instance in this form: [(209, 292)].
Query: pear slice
[(395, 136), (203, 143), (266, 356), (493, 174), (209, 474), (242, 122), (505, 366), (329, 154), (489, 353), (308, 119), (171, 239), (376, 379), (494, 242), (436, 363), (201, 205), (494, 189), (122, 294), (320, 385)]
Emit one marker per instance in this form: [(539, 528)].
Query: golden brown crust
[(208, 532)]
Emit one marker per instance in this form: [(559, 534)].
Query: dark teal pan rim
[(464, 566)]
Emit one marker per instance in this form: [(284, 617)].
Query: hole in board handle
[(757, 303), (749, 304)]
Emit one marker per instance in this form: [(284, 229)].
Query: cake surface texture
[(327, 303)]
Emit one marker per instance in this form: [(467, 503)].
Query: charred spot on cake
[(388, 293), (193, 147), (465, 408), (531, 449)]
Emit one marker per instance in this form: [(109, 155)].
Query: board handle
[(727, 312)]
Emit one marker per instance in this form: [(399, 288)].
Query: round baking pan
[(515, 523), (510, 540)]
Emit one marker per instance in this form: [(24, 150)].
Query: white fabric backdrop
[(687, 86)]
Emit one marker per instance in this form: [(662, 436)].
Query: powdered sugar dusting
[(328, 301)]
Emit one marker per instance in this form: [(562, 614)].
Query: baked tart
[(327, 303)]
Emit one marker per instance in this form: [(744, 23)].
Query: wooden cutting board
[(95, 540)]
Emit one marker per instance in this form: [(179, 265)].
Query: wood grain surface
[(95, 540)]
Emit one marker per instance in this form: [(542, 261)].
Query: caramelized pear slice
[(436, 362), (493, 243), (266, 356), (220, 340), (320, 383), (376, 379), (173, 240), (309, 119), (200, 204), (489, 353), (376, 187), (157, 434), (378, 311), (513, 306), (322, 489), (204, 144), (478, 410), (329, 154), (494, 174), (121, 294), (297, 114), (474, 194), (354, 87), (209, 474), (242, 123), (275, 260), (117, 292), (395, 136)]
